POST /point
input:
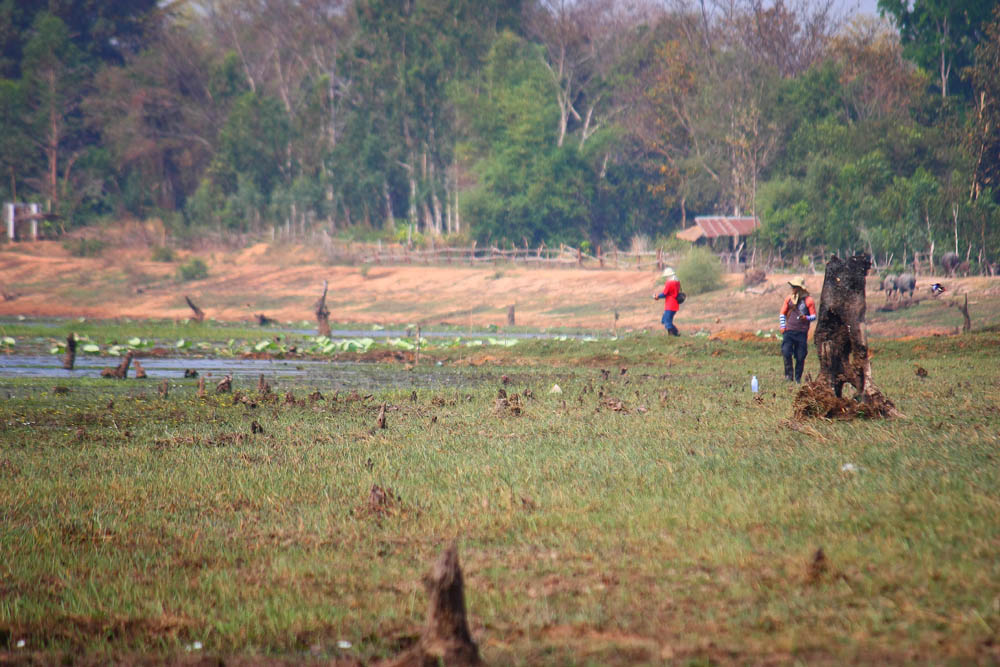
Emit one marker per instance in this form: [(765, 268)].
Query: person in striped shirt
[(797, 313)]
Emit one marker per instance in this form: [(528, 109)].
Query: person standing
[(797, 313), (671, 289)]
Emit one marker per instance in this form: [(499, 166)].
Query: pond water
[(333, 375)]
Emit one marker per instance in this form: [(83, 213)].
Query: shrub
[(700, 271), (194, 269), (162, 254), (84, 247)]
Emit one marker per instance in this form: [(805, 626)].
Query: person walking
[(797, 312), (671, 290)]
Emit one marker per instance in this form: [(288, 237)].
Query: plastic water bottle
[(754, 385)]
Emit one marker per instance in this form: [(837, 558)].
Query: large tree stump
[(199, 314), (841, 341), (70, 359), (446, 639), (323, 313)]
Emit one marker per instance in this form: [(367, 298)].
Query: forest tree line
[(511, 121)]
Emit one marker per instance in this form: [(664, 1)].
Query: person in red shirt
[(671, 288), (797, 312)]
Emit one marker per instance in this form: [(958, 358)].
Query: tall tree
[(983, 138), (104, 30), (940, 35), (54, 77)]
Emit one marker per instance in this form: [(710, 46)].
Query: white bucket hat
[(799, 282), (668, 273)]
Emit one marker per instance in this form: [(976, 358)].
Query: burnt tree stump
[(841, 341), (69, 360), (323, 313), (199, 314), (446, 639)]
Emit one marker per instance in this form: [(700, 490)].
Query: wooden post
[(322, 313), (10, 216), (659, 259), (70, 359), (510, 315), (579, 257), (600, 257), (841, 341), (33, 207), (199, 314)]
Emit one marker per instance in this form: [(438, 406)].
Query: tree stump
[(121, 372), (225, 385), (322, 313), (446, 639), (841, 341), (199, 314), (70, 359)]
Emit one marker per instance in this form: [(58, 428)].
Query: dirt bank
[(41, 279)]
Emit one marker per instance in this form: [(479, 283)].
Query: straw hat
[(798, 282), (668, 273)]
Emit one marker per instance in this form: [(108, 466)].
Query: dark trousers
[(668, 322), (794, 345)]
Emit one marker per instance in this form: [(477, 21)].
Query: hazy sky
[(863, 6)]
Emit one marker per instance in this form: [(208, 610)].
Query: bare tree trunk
[(841, 341)]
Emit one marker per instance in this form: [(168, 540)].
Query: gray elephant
[(888, 285), (950, 262), (906, 283)]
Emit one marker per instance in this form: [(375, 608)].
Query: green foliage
[(162, 254), (194, 269), (84, 247), (406, 112), (699, 271), (941, 34)]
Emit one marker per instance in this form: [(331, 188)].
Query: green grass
[(678, 529)]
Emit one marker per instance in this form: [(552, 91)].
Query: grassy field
[(647, 515)]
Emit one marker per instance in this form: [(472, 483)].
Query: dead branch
[(322, 313), (964, 309), (199, 314)]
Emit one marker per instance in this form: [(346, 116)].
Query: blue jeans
[(668, 322), (794, 347)]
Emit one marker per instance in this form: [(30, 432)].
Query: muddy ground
[(43, 280)]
